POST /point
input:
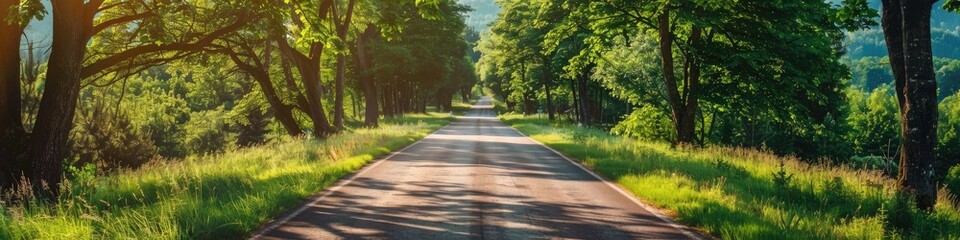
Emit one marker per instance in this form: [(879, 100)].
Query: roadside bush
[(108, 139), (251, 119), (647, 123), (206, 133), (161, 116)]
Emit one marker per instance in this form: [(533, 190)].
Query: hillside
[(484, 12)]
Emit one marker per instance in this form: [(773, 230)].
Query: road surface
[(474, 179)]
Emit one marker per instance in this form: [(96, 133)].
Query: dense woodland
[(785, 76), (102, 88), (118, 83)]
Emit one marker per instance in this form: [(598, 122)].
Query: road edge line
[(656, 212), (340, 184)]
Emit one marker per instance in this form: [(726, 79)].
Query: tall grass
[(747, 194), (223, 196)]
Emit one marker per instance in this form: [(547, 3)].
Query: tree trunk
[(309, 69), (372, 108), (342, 26), (908, 22), (11, 122), (48, 143), (338, 98), (547, 82), (282, 112), (310, 75), (683, 108), (389, 107), (587, 112)]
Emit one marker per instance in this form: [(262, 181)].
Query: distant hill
[(484, 12), (945, 35)]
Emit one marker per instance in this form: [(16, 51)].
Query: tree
[(128, 36), (342, 25), (12, 22), (906, 27)]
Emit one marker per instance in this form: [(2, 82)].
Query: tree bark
[(587, 112), (683, 108), (342, 26), (48, 143), (11, 122), (547, 82), (309, 69), (907, 32), (371, 100)]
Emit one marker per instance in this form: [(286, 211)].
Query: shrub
[(888, 165), (161, 116), (205, 133), (647, 123), (875, 122), (953, 182), (948, 149), (108, 139)]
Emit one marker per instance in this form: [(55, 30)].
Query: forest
[(805, 80), (94, 90), (185, 119)]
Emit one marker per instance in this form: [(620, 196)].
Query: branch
[(120, 20), (108, 62)]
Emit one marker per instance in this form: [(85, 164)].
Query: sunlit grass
[(222, 197), (731, 193)]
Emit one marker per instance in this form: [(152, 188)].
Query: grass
[(747, 194), (222, 197)]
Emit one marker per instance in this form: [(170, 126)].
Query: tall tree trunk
[(585, 103), (309, 69), (547, 82), (11, 122), (310, 75), (370, 95), (906, 27), (342, 26), (338, 96), (465, 95), (683, 108), (389, 108), (48, 142)]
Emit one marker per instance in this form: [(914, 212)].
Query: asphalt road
[(474, 179)]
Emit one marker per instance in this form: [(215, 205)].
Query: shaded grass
[(732, 193), (222, 197)]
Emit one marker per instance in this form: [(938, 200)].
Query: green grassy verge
[(220, 197), (746, 194)]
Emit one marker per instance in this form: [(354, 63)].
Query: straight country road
[(474, 179)]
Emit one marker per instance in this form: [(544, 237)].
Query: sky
[(484, 12)]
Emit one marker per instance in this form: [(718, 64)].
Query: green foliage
[(948, 132), (252, 117), (782, 179), (952, 183), (646, 123), (888, 164), (109, 140), (161, 114), (741, 200), (875, 123), (205, 133)]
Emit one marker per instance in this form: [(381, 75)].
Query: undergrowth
[(224, 196), (737, 193)]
